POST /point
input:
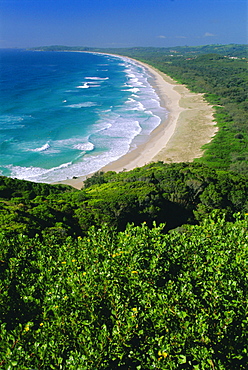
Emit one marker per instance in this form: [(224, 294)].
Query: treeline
[(233, 50), (61, 48), (174, 194)]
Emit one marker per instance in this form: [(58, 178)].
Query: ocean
[(68, 114)]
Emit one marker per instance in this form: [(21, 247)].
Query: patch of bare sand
[(195, 127)]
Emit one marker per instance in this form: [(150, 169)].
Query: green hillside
[(173, 194)]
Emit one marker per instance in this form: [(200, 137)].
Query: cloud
[(208, 34), (181, 37), (161, 37)]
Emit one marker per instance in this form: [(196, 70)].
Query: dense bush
[(136, 299), (174, 194)]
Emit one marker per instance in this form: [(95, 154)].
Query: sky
[(122, 23)]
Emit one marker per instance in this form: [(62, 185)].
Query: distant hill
[(233, 50)]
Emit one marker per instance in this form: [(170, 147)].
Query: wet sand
[(179, 138)]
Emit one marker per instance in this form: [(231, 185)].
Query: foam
[(84, 147), (37, 147), (43, 148), (139, 106), (97, 78), (78, 143), (135, 81), (82, 105), (134, 90), (63, 165), (5, 118), (135, 105), (84, 86), (12, 127), (89, 84), (11, 122), (32, 173), (130, 100)]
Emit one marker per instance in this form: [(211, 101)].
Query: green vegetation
[(84, 289), (173, 194), (88, 279), (136, 299)]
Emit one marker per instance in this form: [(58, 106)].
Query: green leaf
[(182, 359)]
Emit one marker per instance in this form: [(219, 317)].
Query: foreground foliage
[(136, 299)]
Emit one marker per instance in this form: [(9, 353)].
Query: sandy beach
[(178, 139)]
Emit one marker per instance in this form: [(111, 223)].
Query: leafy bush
[(136, 299)]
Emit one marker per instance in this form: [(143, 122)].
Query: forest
[(174, 194), (142, 269)]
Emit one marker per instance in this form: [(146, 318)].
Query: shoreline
[(179, 138)]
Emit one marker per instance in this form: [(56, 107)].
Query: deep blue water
[(65, 114)]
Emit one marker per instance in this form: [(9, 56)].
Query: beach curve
[(179, 138)]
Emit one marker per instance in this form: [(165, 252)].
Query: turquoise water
[(68, 114)]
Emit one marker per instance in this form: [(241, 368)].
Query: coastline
[(179, 138)]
